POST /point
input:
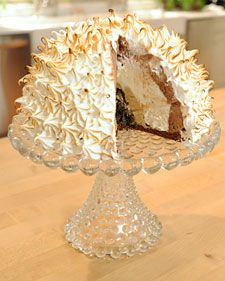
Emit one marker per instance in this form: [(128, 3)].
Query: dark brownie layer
[(124, 116)]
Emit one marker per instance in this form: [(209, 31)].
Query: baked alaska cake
[(114, 73)]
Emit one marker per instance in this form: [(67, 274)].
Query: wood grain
[(35, 202)]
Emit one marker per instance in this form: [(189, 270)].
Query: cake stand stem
[(113, 220)]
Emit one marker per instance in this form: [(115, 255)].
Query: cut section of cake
[(147, 93), (113, 73)]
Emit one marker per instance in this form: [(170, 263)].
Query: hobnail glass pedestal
[(113, 221)]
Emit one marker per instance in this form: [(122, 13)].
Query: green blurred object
[(3, 4), (169, 4), (185, 5)]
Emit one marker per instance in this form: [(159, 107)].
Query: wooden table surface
[(35, 202)]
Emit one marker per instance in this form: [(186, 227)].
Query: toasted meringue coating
[(69, 98)]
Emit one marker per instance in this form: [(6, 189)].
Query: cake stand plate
[(113, 221)]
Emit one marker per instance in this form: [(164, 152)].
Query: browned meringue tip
[(39, 47), (163, 27), (211, 85), (44, 40), (112, 12), (196, 52), (21, 81)]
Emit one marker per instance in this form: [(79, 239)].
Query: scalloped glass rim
[(150, 154)]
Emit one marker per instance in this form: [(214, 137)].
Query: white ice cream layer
[(157, 117)]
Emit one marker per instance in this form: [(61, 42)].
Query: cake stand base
[(113, 221)]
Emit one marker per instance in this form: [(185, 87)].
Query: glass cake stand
[(114, 221)]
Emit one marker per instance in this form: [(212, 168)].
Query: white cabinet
[(208, 35)]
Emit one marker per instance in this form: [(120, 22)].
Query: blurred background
[(24, 22)]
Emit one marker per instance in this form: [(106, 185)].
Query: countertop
[(38, 26), (20, 25), (35, 203)]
